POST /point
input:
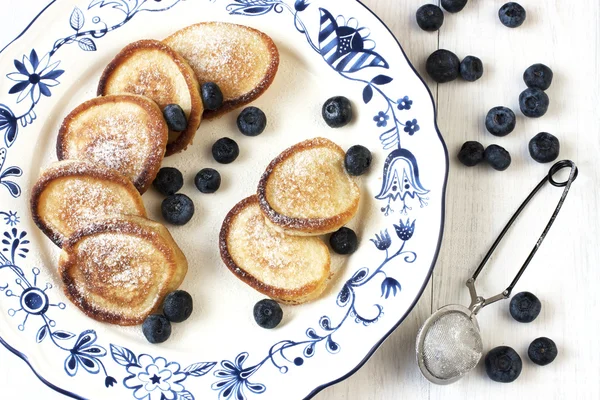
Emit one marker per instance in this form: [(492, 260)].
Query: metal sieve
[(449, 343)]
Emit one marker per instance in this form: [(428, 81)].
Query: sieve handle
[(478, 302)]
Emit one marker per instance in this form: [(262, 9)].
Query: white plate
[(328, 47)]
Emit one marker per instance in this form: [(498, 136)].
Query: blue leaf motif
[(360, 275), (325, 323), (86, 44), (185, 395), (41, 334), (122, 355), (332, 346), (77, 19), (12, 171), (310, 332), (343, 296), (62, 335), (250, 11), (381, 80), (8, 123), (367, 94), (256, 387), (13, 188), (309, 350), (199, 369)]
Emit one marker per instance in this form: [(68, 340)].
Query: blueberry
[(358, 160), (175, 117), (544, 147), (538, 76), (443, 66), (512, 15), (500, 121), (225, 150), (252, 121), (156, 328), (497, 157), (168, 181), (343, 241), (471, 154), (208, 180), (525, 307), (267, 313), (430, 17), (177, 209), (471, 68), (337, 111), (454, 6), (212, 97), (534, 102), (542, 351), (503, 364), (178, 306)]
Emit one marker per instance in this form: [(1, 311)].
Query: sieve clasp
[(478, 302)]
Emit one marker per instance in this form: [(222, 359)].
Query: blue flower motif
[(405, 231), (155, 378), (381, 119), (85, 353), (404, 103), (411, 127), (235, 378), (383, 240), (8, 124), (34, 76), (390, 286), (109, 381), (300, 5), (10, 218)]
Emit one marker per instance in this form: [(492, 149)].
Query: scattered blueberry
[(544, 147), (175, 117), (538, 76), (177, 209), (443, 66), (534, 102), (430, 17), (512, 15), (212, 97), (267, 313), (178, 306), (471, 68), (503, 364), (252, 121), (500, 121), (525, 307), (156, 328), (225, 150), (542, 351), (471, 153), (358, 160), (168, 181), (497, 157), (454, 6), (208, 180), (337, 111), (343, 241)]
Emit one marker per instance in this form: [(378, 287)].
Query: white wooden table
[(566, 272)]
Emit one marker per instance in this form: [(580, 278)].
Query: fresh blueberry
[(500, 121), (430, 17), (267, 313), (512, 15), (525, 307), (177, 209), (542, 351), (538, 76), (343, 241), (168, 181), (178, 306), (497, 157), (534, 102), (156, 328), (212, 97), (175, 117), (252, 121), (358, 160), (225, 150), (471, 68), (503, 364), (443, 66), (544, 147), (208, 180), (454, 6), (471, 153), (337, 111)]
